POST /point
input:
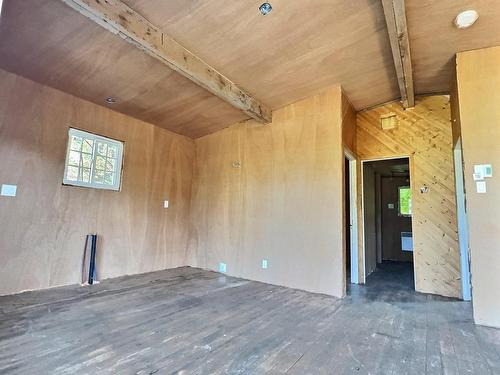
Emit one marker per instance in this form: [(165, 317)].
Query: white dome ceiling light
[(466, 19)]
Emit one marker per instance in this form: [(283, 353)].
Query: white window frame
[(96, 138)]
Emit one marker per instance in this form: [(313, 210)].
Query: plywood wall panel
[(283, 204), (348, 124), (424, 134), (44, 226), (81, 58), (435, 40), (478, 76)]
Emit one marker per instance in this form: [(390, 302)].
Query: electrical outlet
[(222, 267), (165, 204), (265, 264), (9, 190)]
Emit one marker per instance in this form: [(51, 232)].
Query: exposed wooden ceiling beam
[(395, 16), (121, 20)]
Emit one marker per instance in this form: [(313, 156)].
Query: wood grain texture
[(395, 17), (348, 124), (120, 19), (434, 40), (283, 204), (78, 57), (423, 134), (189, 321), (299, 50), (47, 222), (478, 76)]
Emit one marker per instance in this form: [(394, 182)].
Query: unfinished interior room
[(248, 187)]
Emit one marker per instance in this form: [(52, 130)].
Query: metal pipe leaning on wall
[(88, 268)]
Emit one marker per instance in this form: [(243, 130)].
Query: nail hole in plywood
[(388, 121)]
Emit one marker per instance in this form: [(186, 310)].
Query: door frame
[(362, 203), (463, 226), (353, 210)]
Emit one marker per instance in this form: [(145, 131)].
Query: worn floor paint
[(188, 321)]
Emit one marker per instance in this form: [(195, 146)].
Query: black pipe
[(92, 258)]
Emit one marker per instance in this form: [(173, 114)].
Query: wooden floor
[(188, 321)]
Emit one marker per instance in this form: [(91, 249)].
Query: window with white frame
[(93, 161)]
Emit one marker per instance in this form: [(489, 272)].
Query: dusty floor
[(188, 321)]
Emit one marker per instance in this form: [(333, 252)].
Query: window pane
[(88, 146), (100, 163), (86, 160), (76, 143), (102, 148), (85, 174), (92, 161), (112, 151), (108, 178), (74, 158), (99, 177), (405, 201), (110, 165), (72, 173)]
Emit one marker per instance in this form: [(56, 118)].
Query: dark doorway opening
[(387, 199), (347, 210)]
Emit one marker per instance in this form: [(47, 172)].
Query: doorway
[(350, 219), (387, 215)]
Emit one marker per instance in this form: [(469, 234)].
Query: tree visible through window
[(93, 161), (405, 201)]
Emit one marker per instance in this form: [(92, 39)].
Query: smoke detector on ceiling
[(466, 19)]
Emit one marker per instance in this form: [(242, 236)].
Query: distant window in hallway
[(404, 201)]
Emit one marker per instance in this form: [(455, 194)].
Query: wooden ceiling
[(300, 48), (434, 40)]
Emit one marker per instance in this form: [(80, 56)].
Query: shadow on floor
[(391, 282)]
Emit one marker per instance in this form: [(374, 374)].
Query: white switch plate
[(478, 176), (478, 173), (481, 187), (481, 171), (222, 267), (8, 190), (165, 204), (265, 264)]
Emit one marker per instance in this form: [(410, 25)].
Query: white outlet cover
[(222, 267), (265, 264), (481, 187), (9, 190), (165, 204)]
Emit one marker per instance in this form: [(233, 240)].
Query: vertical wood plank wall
[(423, 134), (43, 228), (478, 120), (283, 204)]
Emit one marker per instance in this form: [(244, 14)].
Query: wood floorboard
[(189, 321)]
